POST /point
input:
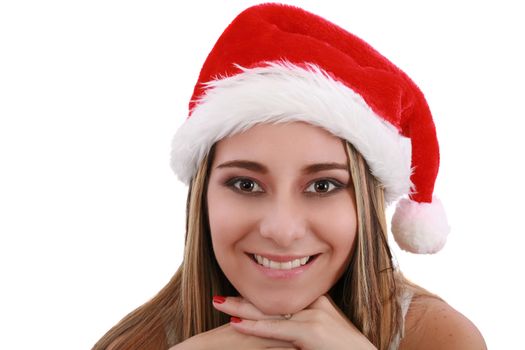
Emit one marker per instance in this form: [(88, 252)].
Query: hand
[(225, 337), (319, 326)]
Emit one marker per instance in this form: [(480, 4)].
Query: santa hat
[(278, 63)]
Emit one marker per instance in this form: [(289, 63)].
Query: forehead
[(291, 143)]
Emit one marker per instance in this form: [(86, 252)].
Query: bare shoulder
[(433, 324)]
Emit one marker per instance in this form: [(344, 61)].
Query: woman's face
[(280, 194)]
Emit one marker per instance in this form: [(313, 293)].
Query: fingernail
[(218, 299), (234, 319)]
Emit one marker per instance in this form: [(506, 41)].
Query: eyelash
[(338, 186)]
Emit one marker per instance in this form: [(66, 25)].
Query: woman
[(299, 134)]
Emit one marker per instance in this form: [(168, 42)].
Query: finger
[(241, 308), (326, 304), (286, 330), (263, 343)]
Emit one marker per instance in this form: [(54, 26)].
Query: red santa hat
[(278, 63)]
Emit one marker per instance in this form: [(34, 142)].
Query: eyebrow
[(257, 167)]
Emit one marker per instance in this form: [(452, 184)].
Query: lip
[(283, 274), (281, 258)]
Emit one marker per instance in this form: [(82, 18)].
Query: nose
[(284, 223)]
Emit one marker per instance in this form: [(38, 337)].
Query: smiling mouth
[(282, 265)]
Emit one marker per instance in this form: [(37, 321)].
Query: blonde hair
[(367, 293)]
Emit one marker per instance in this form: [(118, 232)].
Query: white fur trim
[(283, 92), (420, 228)]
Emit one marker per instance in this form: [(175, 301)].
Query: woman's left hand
[(319, 326)]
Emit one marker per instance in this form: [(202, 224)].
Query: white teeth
[(287, 265), (296, 263)]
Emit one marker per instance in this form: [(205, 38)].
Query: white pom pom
[(420, 228)]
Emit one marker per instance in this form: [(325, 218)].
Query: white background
[(91, 92)]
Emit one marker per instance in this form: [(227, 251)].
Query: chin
[(281, 305)]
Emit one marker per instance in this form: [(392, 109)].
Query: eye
[(323, 186), (244, 185), (249, 186)]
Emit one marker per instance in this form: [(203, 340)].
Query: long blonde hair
[(367, 293)]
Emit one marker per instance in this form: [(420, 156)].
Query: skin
[(290, 215), (281, 212), (433, 325)]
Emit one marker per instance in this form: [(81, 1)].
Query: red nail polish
[(234, 319), (218, 299)]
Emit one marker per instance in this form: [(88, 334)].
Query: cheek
[(229, 221), (338, 222)]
